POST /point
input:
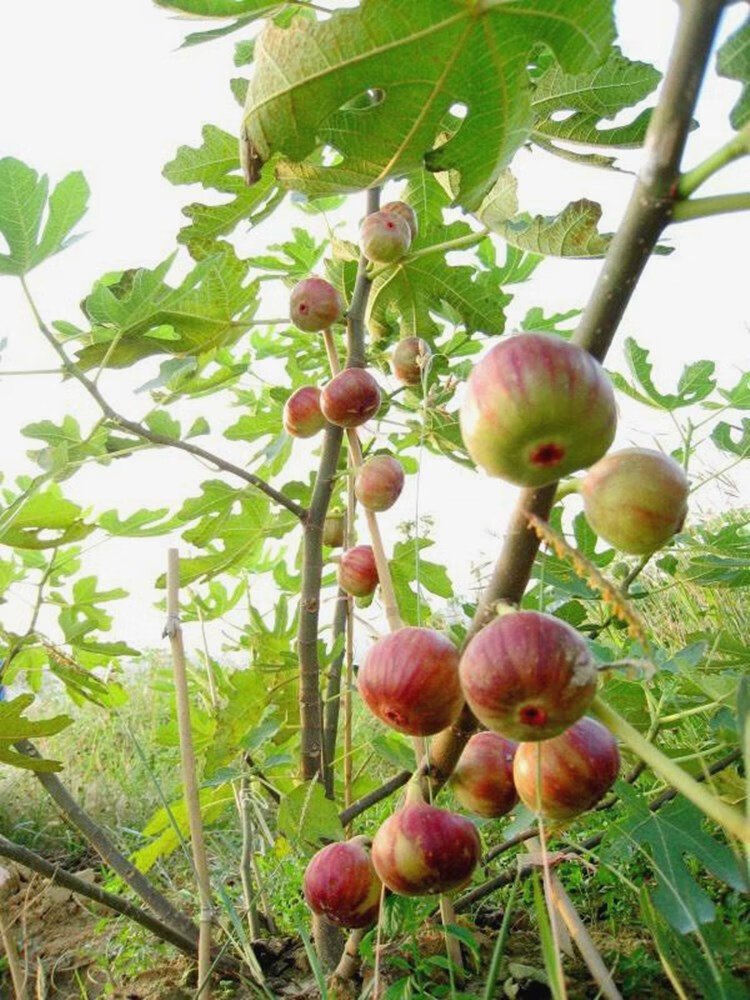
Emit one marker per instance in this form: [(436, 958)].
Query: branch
[(333, 693), (719, 204), (118, 904), (738, 146), (141, 431), (98, 839)]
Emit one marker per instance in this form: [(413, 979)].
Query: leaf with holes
[(347, 81)]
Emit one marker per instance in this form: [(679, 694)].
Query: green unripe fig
[(384, 237), (635, 499)]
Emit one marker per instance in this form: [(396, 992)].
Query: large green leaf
[(416, 61), (23, 201), (733, 61), (140, 315), (43, 520), (412, 574), (672, 834)]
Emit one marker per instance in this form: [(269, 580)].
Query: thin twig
[(189, 779), (141, 431)]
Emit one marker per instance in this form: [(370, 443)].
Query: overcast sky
[(101, 86)]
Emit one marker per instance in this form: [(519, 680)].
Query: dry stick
[(17, 974), (506, 877), (580, 935), (349, 654), (58, 876), (141, 431), (173, 630), (333, 694), (98, 839)]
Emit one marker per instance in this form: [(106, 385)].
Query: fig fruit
[(409, 357), (421, 850), (357, 573), (378, 482), (350, 398), (528, 676), (409, 680), (340, 883), (406, 212), (302, 416), (483, 778), (384, 237), (577, 768), (315, 304), (537, 408), (334, 527), (636, 499)]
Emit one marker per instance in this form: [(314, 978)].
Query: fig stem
[(732, 821), (738, 146), (719, 204)]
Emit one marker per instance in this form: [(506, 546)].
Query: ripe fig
[(409, 357), (350, 398), (483, 778), (384, 237), (303, 417), (314, 305), (334, 528), (421, 850), (406, 212), (357, 573), (340, 883), (528, 675), (636, 499), (409, 680), (378, 482), (577, 768), (537, 408)]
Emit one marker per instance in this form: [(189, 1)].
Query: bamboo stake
[(17, 975), (173, 630)]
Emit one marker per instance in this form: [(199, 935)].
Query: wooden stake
[(17, 975), (173, 630)]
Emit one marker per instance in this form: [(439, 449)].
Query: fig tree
[(483, 778)]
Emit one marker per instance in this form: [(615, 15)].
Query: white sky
[(99, 85)]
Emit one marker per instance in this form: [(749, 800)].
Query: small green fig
[(636, 499), (384, 237)]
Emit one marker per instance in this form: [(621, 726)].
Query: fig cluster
[(538, 408)]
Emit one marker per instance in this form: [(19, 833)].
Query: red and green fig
[(357, 572), (421, 850), (409, 680), (577, 768), (483, 778), (302, 416), (314, 305), (406, 212), (635, 499), (528, 676), (385, 237), (410, 355), (537, 408), (379, 482), (350, 398), (340, 883)]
